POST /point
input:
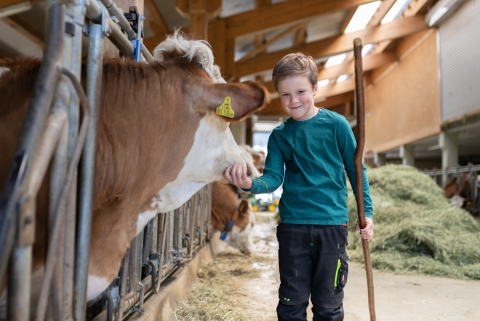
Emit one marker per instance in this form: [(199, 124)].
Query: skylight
[(362, 16), (396, 10), (335, 60), (367, 48), (323, 83), (343, 78)]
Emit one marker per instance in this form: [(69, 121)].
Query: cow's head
[(190, 72)]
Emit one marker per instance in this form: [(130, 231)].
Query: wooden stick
[(360, 100)]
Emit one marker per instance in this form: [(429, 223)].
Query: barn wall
[(403, 101)]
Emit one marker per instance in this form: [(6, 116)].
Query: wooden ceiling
[(291, 18)]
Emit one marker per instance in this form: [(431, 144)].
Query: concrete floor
[(398, 297)]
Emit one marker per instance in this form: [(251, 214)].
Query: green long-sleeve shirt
[(314, 152)]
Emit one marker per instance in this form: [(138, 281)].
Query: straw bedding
[(213, 298), (416, 229)]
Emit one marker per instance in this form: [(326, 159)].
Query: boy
[(314, 144)]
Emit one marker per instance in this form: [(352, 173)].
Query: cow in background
[(225, 200), (159, 141), (460, 194), (258, 158)]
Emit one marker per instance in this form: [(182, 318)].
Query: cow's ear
[(235, 101), (256, 158), (243, 208)]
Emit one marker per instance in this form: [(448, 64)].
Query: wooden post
[(217, 36), (249, 134), (198, 18)]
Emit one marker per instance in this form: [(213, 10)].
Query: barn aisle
[(252, 283)]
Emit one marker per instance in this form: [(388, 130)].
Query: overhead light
[(441, 11), (396, 10), (362, 16), (367, 48), (343, 78), (335, 60), (323, 83), (15, 9)]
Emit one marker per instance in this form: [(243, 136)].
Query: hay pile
[(416, 229), (213, 298)]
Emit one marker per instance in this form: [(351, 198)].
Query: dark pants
[(312, 261)]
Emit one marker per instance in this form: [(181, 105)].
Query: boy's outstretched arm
[(272, 176), (347, 145)]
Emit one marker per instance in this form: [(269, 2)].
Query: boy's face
[(296, 96)]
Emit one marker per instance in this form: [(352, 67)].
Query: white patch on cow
[(198, 49), (242, 239), (213, 150), (3, 70), (95, 286), (456, 201)]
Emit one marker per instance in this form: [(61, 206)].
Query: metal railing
[(445, 175), (52, 135), (167, 242)]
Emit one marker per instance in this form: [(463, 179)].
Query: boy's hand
[(237, 175), (367, 232)]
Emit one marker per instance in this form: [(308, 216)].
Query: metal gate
[(52, 134)]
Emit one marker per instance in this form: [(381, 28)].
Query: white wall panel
[(459, 59)]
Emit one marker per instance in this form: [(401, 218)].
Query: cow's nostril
[(246, 251)]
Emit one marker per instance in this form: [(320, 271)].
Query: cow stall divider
[(56, 140), (458, 173)]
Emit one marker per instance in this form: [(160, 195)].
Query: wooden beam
[(381, 12), (346, 19), (282, 14), (370, 62), (156, 22), (413, 8), (337, 44), (263, 3), (300, 36), (336, 89), (264, 46), (8, 3), (418, 6), (214, 8), (275, 108), (23, 31)]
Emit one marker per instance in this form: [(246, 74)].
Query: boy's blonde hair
[(295, 64)]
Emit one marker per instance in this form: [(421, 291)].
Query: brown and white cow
[(159, 142), (225, 200)]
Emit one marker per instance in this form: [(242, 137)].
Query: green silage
[(416, 229)]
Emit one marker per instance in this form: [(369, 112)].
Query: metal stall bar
[(74, 29), (94, 13), (58, 171), (87, 171), (32, 129), (54, 245)]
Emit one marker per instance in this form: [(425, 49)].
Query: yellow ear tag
[(226, 109)]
